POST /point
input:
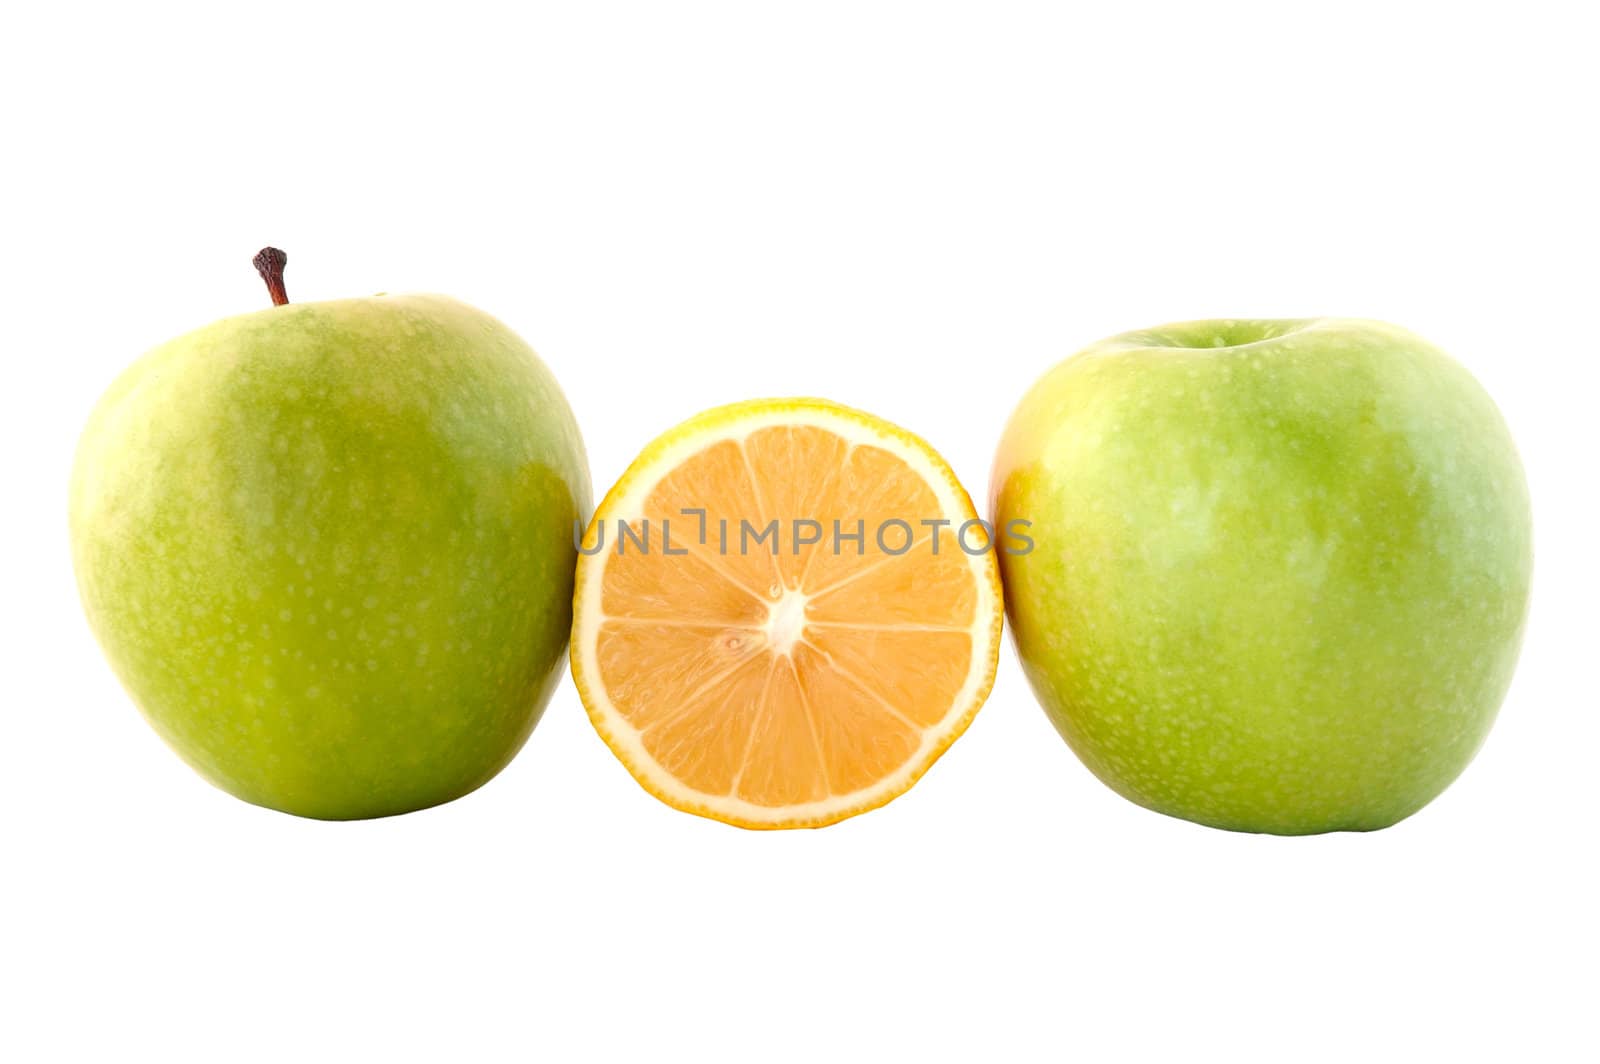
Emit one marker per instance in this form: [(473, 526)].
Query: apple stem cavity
[(269, 263)]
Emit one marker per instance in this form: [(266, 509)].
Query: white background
[(913, 209)]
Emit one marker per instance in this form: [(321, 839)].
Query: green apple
[(1278, 569), (328, 547)]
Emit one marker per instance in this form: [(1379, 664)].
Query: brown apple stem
[(269, 263)]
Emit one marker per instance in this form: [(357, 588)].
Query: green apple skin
[(328, 549), (1279, 570)]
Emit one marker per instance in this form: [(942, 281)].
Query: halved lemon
[(786, 611)]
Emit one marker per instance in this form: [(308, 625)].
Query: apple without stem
[(327, 547), (1280, 568)]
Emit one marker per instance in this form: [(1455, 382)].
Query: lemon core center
[(786, 621)]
